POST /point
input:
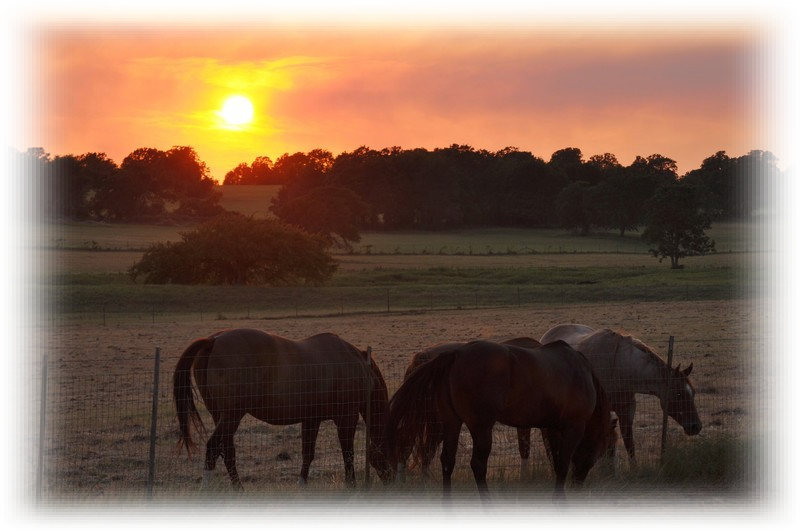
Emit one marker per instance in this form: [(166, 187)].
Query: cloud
[(340, 89)]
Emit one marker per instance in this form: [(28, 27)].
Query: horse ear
[(678, 368), (688, 369), (614, 423)]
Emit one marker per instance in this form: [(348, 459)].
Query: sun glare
[(237, 111)]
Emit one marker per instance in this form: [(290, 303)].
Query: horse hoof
[(302, 482)]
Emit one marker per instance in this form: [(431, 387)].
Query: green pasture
[(53, 273), (729, 238)]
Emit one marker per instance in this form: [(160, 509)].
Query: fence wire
[(96, 442), (84, 304)]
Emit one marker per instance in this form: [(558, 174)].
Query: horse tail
[(183, 392), (600, 435), (413, 421)]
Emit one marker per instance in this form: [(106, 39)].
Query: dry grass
[(101, 379)]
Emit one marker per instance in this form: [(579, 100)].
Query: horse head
[(681, 406), (383, 465)]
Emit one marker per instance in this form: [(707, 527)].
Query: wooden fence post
[(665, 404), (151, 472), (42, 425)]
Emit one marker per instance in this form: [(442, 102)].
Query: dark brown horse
[(281, 382), (480, 383), (425, 457), (626, 366)]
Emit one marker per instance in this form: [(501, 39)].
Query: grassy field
[(101, 383), (729, 237), (653, 498), (398, 292), (85, 265)]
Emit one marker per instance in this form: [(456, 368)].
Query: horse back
[(537, 387), (572, 333), (277, 379)]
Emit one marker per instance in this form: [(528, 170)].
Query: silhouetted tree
[(150, 180), (676, 224), (333, 213), (574, 207), (65, 189), (259, 172), (734, 188)]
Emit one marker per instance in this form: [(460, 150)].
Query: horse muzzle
[(693, 428)]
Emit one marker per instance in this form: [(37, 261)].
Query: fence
[(110, 434), (155, 304)]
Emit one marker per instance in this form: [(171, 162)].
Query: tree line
[(459, 186), (149, 185), (401, 189), (326, 200)]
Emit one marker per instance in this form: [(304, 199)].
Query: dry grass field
[(101, 378), (100, 361)]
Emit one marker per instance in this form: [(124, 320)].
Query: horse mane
[(638, 343), (413, 420)]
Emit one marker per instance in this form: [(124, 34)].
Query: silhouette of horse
[(480, 383), (281, 382), (425, 457), (626, 366)]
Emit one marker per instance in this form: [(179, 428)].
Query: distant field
[(729, 237), (250, 200)]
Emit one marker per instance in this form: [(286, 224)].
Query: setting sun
[(237, 110)]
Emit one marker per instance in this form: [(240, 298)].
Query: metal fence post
[(151, 472), (665, 404), (368, 418), (42, 424)]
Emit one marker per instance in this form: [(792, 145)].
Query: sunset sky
[(681, 91)]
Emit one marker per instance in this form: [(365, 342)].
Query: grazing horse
[(425, 457), (480, 383), (281, 382), (626, 366)]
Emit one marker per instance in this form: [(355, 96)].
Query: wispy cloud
[(629, 93)]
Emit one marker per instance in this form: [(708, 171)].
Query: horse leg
[(625, 410), (221, 443), (548, 450), (563, 444), (524, 443), (481, 448), (213, 451), (451, 429), (309, 432), (346, 429)]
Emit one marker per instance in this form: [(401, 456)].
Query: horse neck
[(650, 373)]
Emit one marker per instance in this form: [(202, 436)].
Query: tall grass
[(704, 469), (719, 461)]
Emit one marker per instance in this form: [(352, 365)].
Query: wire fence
[(172, 303), (112, 434)]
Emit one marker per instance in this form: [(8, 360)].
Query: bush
[(233, 249)]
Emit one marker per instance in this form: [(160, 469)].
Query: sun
[(237, 111)]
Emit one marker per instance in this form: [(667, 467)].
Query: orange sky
[(685, 94)]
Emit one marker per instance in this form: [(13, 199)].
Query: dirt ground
[(100, 380)]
